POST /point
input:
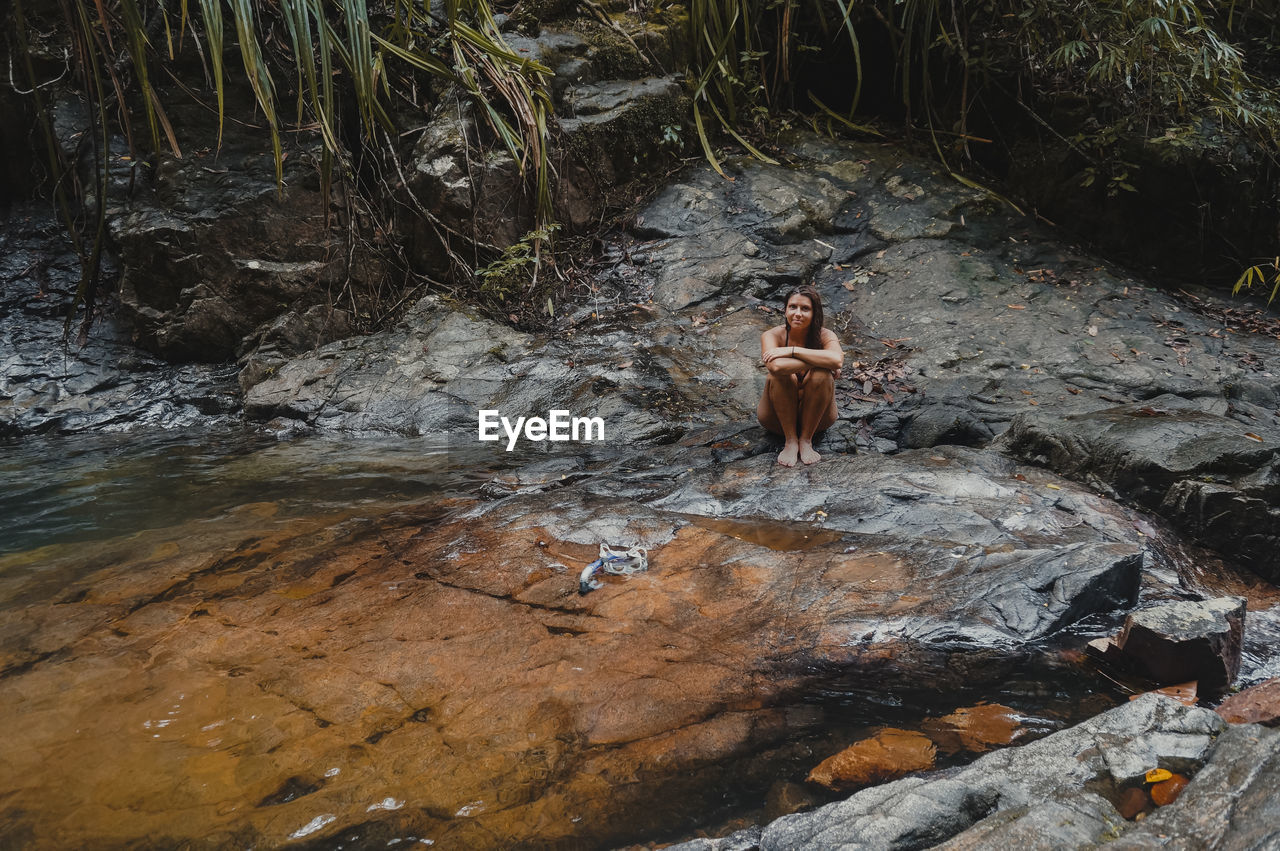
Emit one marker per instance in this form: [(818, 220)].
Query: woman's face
[(799, 313)]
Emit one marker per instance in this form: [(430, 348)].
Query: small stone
[(975, 729), (889, 754), (1133, 802), (1167, 791), (1186, 640)]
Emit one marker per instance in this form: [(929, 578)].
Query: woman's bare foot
[(790, 454), (807, 453)]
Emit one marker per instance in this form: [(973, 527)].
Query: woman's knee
[(782, 382)]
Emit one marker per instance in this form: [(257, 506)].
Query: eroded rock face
[(51, 383), (440, 367), (211, 247), (1208, 474), (613, 108), (955, 317)]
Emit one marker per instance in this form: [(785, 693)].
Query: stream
[(80, 509)]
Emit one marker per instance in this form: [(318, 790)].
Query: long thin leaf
[(212, 13)]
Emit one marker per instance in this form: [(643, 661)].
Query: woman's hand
[(779, 352)]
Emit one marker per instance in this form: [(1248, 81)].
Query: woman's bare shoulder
[(828, 336), (776, 334)]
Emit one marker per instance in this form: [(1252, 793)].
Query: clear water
[(86, 487)]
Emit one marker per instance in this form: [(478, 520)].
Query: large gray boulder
[(1183, 640), (1215, 477)]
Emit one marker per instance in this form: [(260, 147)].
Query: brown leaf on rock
[(1182, 346), (889, 754), (975, 729), (1184, 693)]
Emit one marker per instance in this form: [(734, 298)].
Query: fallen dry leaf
[(1016, 306)]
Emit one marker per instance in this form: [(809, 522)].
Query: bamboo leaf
[(212, 13)]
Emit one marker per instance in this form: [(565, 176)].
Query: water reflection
[(77, 488)]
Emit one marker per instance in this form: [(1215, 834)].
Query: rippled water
[(79, 488)]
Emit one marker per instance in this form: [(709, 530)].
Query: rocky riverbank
[(1029, 438)]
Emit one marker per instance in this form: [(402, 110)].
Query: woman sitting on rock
[(803, 360)]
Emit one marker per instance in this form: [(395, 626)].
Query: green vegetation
[(1160, 67), (1259, 273), (330, 57), (515, 274), (1177, 74), (1183, 78)]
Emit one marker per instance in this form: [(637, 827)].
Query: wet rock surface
[(1183, 641), (1209, 474), (954, 315), (1259, 704), (358, 663), (52, 382)]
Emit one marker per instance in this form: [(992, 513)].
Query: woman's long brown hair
[(812, 340)]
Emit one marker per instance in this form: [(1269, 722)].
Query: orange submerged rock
[(974, 728), (1184, 693), (887, 755)]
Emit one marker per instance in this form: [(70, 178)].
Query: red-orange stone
[(1167, 791)]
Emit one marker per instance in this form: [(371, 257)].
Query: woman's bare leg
[(778, 412), (816, 411)]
